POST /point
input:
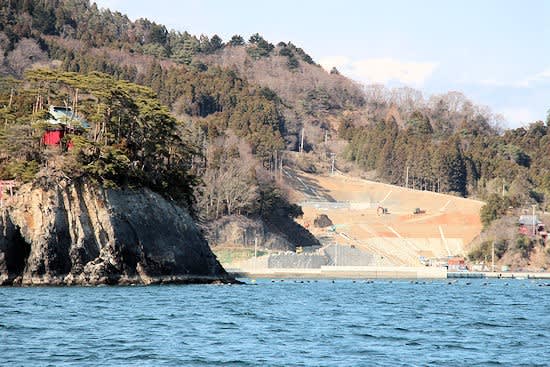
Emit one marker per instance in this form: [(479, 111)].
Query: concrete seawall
[(517, 275), (357, 272), (376, 272)]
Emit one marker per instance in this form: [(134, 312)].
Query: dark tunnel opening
[(17, 255)]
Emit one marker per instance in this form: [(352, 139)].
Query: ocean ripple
[(275, 323)]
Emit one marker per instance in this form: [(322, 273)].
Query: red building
[(456, 264), (62, 120), (53, 136)]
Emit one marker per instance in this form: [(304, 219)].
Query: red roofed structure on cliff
[(62, 120)]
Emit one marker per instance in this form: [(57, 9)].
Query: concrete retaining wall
[(293, 260), (339, 255)]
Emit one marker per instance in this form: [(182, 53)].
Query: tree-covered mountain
[(215, 136), (243, 100)]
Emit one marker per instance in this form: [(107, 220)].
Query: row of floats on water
[(369, 281)]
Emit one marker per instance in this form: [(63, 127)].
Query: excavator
[(419, 211), (381, 210)]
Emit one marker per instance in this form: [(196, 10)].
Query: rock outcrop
[(241, 231), (61, 233), (322, 221), (279, 233)]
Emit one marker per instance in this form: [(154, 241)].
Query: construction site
[(368, 226)]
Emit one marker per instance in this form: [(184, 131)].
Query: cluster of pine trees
[(133, 140), (95, 28), (467, 161), (408, 157)]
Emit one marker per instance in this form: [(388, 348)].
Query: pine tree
[(236, 40)]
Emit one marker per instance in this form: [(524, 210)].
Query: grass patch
[(228, 256)]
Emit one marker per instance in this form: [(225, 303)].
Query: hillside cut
[(77, 233)]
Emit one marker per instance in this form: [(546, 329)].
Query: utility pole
[(333, 156), (255, 252), (493, 258), (275, 163), (407, 178), (281, 165), (11, 98), (302, 140), (75, 102), (534, 224)]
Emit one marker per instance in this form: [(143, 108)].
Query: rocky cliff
[(64, 233), (275, 231)]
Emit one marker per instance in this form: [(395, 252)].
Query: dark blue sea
[(280, 323)]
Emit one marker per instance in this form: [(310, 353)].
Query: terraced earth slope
[(444, 227)]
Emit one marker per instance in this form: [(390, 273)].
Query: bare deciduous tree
[(230, 184), (26, 53), (408, 99)]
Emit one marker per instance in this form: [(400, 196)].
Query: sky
[(497, 52)]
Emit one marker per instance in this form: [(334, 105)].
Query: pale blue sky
[(496, 52)]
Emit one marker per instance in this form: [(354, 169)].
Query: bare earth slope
[(399, 237)]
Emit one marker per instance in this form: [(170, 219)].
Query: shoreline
[(61, 281), (374, 272)]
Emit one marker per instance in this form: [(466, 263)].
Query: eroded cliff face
[(79, 233), (279, 233)]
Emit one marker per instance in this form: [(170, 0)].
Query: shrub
[(524, 245)]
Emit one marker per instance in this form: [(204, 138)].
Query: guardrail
[(352, 205), (325, 204)]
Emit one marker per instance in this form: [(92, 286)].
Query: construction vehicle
[(419, 211), (381, 210)]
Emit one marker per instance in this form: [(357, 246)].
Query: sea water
[(280, 323)]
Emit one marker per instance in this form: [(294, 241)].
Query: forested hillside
[(472, 160), (241, 102), (217, 137)]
